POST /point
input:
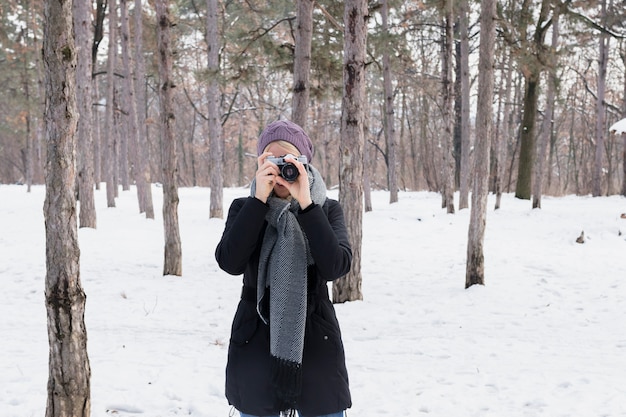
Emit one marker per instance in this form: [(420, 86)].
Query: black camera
[(288, 170)]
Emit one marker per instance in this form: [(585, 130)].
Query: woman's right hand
[(265, 177)]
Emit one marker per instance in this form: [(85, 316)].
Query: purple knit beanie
[(289, 132)]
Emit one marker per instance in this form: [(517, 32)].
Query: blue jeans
[(339, 414)]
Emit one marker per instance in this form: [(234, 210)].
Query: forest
[(440, 95), (559, 83)]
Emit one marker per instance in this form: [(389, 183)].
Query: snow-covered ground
[(546, 335)]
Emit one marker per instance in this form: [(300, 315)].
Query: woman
[(288, 240)]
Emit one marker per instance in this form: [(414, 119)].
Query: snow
[(544, 337), (618, 127)]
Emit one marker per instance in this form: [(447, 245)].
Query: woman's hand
[(299, 189), (266, 176)]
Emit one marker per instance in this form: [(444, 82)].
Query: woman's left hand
[(299, 189)]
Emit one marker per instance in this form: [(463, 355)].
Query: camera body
[(288, 170)]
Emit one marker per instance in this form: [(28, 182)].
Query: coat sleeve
[(328, 239), (244, 226)]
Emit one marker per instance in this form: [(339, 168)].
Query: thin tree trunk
[(465, 175), (600, 107), (173, 251), (97, 137), (130, 141), (503, 138), (83, 35), (390, 131), (448, 111), (27, 153), (546, 126), (367, 162), (69, 370), (302, 62), (143, 146), (355, 15), (624, 134), (108, 141), (475, 271), (216, 146)]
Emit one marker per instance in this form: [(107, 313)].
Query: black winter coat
[(324, 375)]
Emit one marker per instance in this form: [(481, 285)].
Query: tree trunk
[(600, 107), (502, 140), (144, 180), (216, 146), (546, 126), (173, 252), (475, 272), (465, 175), (129, 103), (108, 140), (527, 150), (82, 30), (69, 371), (532, 59), (624, 116), (302, 62), (348, 288), (448, 110), (390, 131)]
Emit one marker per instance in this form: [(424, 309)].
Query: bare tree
[(173, 264), (108, 145), (134, 153), (302, 62), (464, 175), (100, 14), (600, 105), (83, 35), (502, 137), (546, 126), (448, 109), (348, 288), (69, 371), (475, 271), (623, 56), (144, 183), (216, 142), (390, 131), (531, 56)]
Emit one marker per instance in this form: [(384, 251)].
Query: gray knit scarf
[(283, 264)]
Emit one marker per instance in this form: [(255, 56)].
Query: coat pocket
[(245, 326)]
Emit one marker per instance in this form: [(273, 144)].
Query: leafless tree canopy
[(250, 80)]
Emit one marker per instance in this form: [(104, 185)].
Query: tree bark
[(390, 131), (173, 250), (502, 139), (546, 126), (216, 145), (83, 35), (600, 107), (348, 288), (302, 62), (464, 175), (532, 62), (475, 271), (447, 165), (129, 141), (144, 181), (69, 371), (108, 141)]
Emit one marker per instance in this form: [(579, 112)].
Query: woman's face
[(277, 149)]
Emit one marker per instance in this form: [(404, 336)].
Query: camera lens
[(289, 172)]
